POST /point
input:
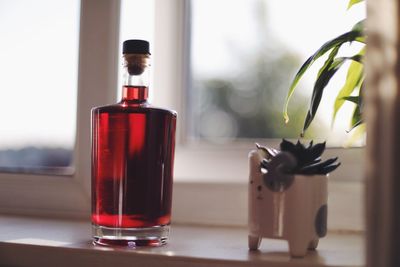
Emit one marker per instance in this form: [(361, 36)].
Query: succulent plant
[(309, 158), (280, 166)]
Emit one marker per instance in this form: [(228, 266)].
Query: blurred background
[(243, 56)]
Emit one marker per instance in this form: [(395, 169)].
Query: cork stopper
[(136, 63), (136, 54)]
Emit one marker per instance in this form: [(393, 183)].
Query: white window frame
[(210, 182), (69, 195)]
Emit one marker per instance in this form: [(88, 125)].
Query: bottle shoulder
[(137, 108), (164, 110)]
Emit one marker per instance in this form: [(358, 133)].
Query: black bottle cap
[(136, 47)]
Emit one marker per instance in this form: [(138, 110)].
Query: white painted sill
[(27, 241)]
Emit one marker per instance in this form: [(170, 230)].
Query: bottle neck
[(135, 93), (136, 77)]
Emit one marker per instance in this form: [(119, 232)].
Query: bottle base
[(130, 237)]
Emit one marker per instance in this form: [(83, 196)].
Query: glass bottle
[(132, 161)]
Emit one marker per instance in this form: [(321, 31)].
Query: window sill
[(26, 241)]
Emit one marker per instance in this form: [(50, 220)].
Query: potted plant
[(288, 187), (288, 195)]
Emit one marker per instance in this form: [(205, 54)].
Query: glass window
[(38, 84), (137, 22), (244, 55)]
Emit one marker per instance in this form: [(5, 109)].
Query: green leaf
[(355, 76), (356, 133), (329, 69), (361, 39), (329, 61), (354, 35), (355, 125), (356, 119), (359, 26), (353, 2), (353, 99), (360, 95)]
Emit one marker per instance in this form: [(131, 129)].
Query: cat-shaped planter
[(296, 213)]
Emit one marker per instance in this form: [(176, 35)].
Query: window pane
[(137, 22), (245, 53), (38, 83)]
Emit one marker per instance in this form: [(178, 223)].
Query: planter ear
[(296, 213), (276, 177)]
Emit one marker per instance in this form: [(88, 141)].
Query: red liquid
[(132, 162)]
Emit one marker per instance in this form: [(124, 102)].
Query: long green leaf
[(329, 60), (356, 133), (359, 26), (354, 35), (353, 99), (361, 39), (355, 76), (355, 125), (329, 69), (360, 96), (355, 120), (323, 75), (353, 2)]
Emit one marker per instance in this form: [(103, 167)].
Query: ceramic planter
[(296, 213)]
